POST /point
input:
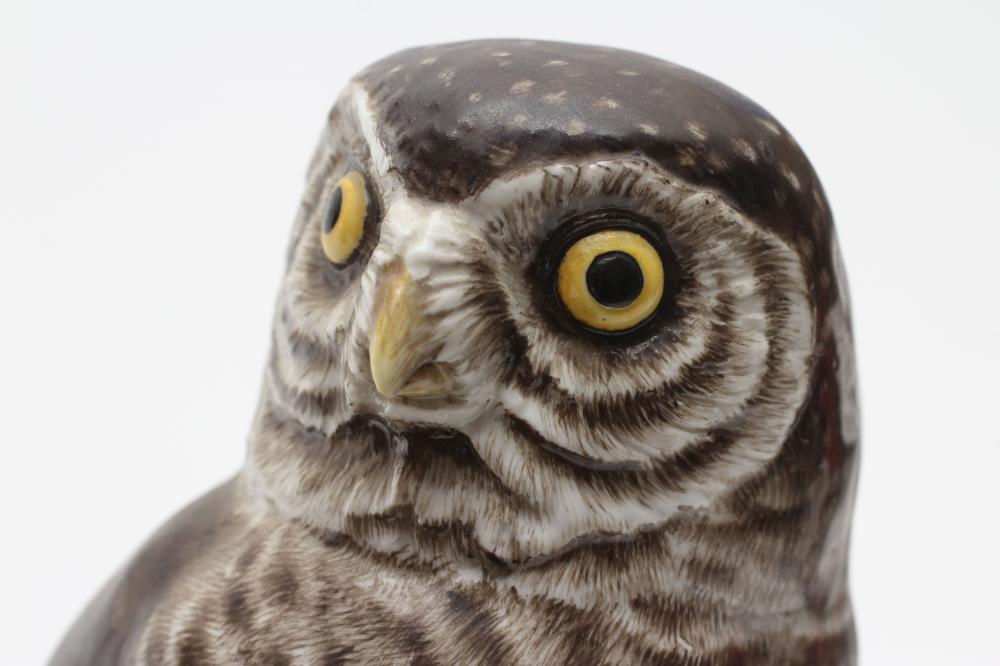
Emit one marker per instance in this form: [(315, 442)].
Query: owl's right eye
[(611, 281), (609, 275), (344, 223)]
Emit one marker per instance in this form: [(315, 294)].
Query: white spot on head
[(475, 97), (395, 69), (522, 87), (817, 196), (628, 72), (554, 98), (500, 54), (774, 129), (556, 63), (575, 127), (790, 176), (648, 128), (447, 75), (743, 147), (605, 103), (697, 131), (428, 61)]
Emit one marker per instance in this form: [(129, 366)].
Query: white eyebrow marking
[(361, 104)]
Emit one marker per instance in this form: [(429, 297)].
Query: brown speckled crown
[(456, 116)]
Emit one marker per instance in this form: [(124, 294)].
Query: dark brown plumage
[(678, 494)]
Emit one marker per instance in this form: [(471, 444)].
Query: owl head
[(543, 296)]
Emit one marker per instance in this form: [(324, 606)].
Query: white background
[(151, 159)]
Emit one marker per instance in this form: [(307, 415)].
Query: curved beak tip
[(400, 359), (430, 380)]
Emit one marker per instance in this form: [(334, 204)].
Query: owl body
[(561, 373)]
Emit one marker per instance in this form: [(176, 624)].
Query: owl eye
[(344, 223), (611, 280)]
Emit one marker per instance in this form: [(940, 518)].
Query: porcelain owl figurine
[(561, 373)]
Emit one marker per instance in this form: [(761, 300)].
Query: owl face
[(569, 338)]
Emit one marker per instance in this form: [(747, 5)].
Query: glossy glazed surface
[(448, 466)]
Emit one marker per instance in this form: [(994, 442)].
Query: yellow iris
[(344, 224), (629, 253)]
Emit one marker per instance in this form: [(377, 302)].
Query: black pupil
[(334, 212), (614, 279)]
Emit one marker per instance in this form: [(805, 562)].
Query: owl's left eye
[(611, 281), (344, 223)]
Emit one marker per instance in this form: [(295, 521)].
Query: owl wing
[(115, 618)]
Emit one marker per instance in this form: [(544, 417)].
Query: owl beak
[(402, 353)]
